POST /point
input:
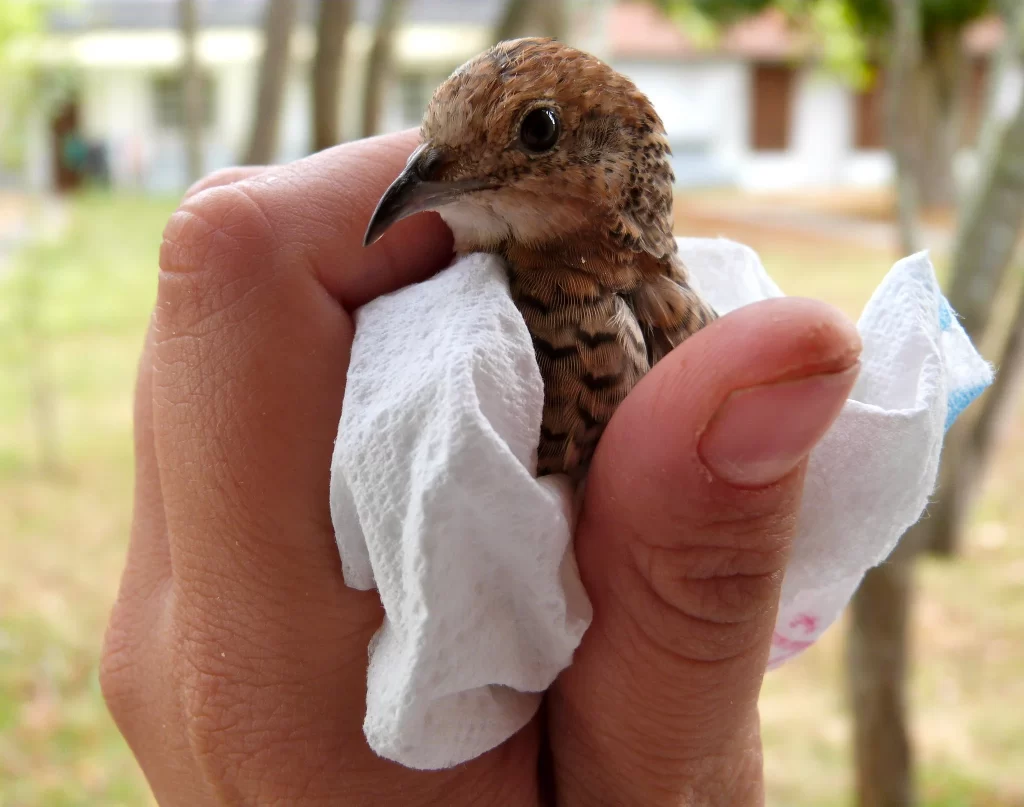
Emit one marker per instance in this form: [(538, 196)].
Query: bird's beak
[(416, 189)]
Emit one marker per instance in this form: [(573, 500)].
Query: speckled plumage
[(584, 228)]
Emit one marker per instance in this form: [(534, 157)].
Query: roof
[(639, 30), (158, 14)]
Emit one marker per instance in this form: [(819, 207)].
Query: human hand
[(235, 660)]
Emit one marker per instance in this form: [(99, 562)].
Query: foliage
[(19, 23), (846, 33), (26, 85), (871, 16), (17, 20), (874, 16), (724, 12)]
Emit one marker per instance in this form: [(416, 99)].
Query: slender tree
[(378, 64), (878, 641), (532, 18), (991, 227), (191, 89), (279, 21), (333, 22), (921, 42), (998, 403), (514, 19), (904, 59)]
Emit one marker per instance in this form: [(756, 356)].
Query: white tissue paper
[(434, 503)]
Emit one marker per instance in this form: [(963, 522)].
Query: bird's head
[(538, 143)]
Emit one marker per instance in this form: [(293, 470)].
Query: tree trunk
[(555, 19), (985, 247), (513, 21), (876, 663), (1008, 55), (378, 65), (901, 125), (877, 656), (532, 18), (335, 17), (191, 89), (277, 34), (999, 401), (939, 98)]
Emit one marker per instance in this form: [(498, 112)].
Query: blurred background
[(833, 136)]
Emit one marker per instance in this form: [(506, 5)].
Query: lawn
[(64, 535)]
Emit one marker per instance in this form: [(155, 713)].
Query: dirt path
[(791, 221)]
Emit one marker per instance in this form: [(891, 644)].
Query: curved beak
[(417, 189)]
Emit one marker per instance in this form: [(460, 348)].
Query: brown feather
[(590, 351), (585, 227)]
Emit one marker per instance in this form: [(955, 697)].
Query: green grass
[(64, 535), (62, 539)]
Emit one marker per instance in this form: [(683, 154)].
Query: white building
[(742, 115), (754, 115)]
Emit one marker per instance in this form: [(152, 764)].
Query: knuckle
[(234, 689), (711, 601), (213, 250), (750, 518), (222, 176), (212, 226), (217, 690), (119, 679)]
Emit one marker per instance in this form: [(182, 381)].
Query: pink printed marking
[(808, 622), (789, 645), (784, 648)]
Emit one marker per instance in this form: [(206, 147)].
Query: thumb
[(683, 539)]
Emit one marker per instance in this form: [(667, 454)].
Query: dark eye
[(539, 130)]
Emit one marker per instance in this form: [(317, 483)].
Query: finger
[(685, 530), (252, 352), (317, 210), (133, 677), (224, 176), (250, 357), (148, 564)]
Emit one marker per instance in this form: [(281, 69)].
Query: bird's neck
[(581, 261)]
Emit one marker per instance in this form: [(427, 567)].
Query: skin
[(235, 658)]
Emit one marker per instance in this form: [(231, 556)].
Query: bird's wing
[(668, 310)]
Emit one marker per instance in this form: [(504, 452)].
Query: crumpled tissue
[(435, 505)]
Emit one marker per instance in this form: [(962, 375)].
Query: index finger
[(251, 348), (319, 206)]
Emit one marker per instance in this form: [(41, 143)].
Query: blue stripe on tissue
[(959, 400), (945, 314)]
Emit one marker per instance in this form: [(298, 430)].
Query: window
[(772, 101), (869, 116), (169, 101), (414, 94)]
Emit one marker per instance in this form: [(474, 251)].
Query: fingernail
[(762, 433)]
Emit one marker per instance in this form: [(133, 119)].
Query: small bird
[(547, 157)]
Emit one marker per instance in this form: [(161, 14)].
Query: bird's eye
[(539, 130)]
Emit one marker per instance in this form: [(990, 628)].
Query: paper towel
[(435, 505)]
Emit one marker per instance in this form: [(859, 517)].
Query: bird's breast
[(591, 353)]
